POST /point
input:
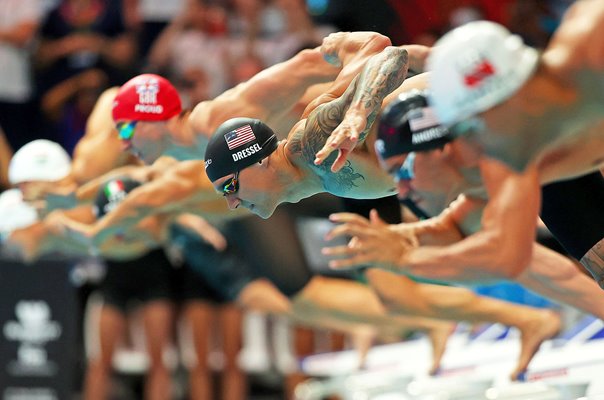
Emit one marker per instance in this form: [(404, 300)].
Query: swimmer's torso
[(360, 178), (569, 139), (566, 138)]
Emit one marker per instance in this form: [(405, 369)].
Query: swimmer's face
[(143, 139), (427, 180), (253, 187), (36, 190)]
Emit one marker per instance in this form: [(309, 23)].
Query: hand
[(59, 224), (330, 47), (24, 244), (344, 139), (203, 228), (212, 235), (373, 242)]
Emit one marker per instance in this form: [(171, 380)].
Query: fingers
[(339, 251), (218, 242), (375, 219), (344, 134), (349, 230), (324, 152), (331, 144), (340, 160), (347, 217), (351, 262)]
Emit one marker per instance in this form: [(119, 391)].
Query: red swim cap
[(146, 97)]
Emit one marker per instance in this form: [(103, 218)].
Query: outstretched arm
[(345, 122), (88, 161), (268, 95), (352, 55), (140, 173), (500, 249), (350, 51)]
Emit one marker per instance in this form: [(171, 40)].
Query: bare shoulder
[(184, 169), (101, 120), (578, 39), (207, 116), (200, 118)]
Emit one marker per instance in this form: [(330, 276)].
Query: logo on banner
[(33, 329), (147, 97)]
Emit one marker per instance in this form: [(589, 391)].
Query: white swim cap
[(475, 67), (40, 160), (14, 212)]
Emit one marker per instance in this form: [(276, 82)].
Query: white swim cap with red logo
[(475, 67), (146, 97)]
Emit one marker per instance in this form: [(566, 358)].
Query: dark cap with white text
[(237, 144)]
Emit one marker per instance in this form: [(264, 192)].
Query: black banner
[(38, 331)]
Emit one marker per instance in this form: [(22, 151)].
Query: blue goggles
[(125, 130), (405, 172)]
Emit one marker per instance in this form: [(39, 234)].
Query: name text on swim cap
[(240, 155), (149, 109)]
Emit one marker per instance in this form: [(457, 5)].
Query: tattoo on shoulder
[(307, 141)]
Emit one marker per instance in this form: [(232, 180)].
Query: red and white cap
[(146, 97), (476, 67)]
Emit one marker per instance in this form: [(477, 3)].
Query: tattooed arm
[(355, 112), (381, 75)]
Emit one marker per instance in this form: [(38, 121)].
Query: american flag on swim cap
[(239, 137)]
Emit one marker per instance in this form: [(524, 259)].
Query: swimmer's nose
[(233, 202)]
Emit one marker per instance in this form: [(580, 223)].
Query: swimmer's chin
[(264, 214)]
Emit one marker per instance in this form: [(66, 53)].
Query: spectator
[(194, 40), (79, 36), (148, 18), (243, 68), (193, 86), (273, 30), (19, 21)]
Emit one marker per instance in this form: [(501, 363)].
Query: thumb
[(374, 217)]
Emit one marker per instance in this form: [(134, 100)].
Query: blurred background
[(57, 57)]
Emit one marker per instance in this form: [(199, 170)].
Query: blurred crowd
[(58, 56)]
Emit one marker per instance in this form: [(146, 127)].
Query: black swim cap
[(237, 144), (112, 193), (409, 124)]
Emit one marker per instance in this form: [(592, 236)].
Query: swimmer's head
[(476, 67), (140, 107), (37, 166), (408, 125), (237, 147), (237, 144), (111, 194)]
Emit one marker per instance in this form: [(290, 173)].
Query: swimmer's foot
[(533, 332), (439, 336)]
